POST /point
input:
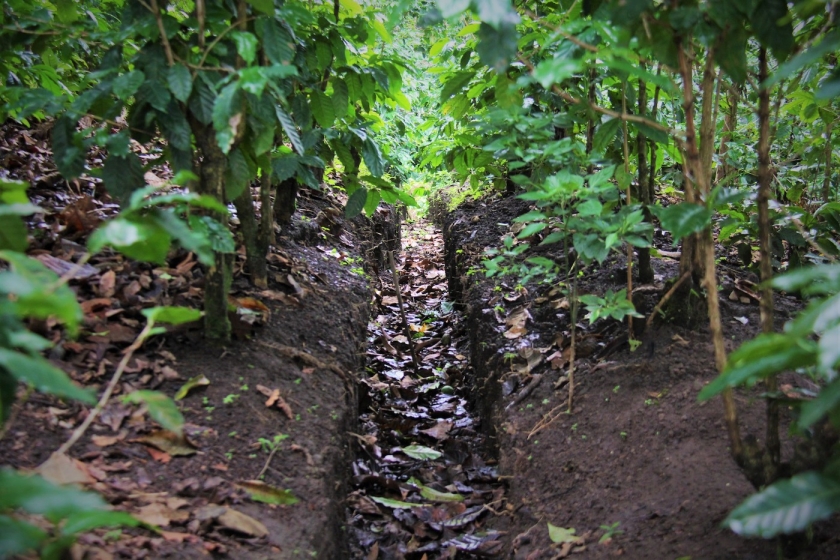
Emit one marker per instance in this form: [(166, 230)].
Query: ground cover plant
[(161, 148)]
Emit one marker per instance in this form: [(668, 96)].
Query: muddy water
[(423, 484)]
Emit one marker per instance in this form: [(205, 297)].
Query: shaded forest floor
[(313, 434)]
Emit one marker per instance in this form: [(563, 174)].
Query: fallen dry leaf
[(107, 441), (107, 284), (168, 442), (238, 521), (61, 469)]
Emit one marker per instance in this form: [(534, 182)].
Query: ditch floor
[(639, 469)]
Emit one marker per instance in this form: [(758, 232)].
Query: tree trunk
[(765, 178), (218, 279), (284, 201), (645, 194), (255, 251)]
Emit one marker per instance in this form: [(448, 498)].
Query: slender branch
[(106, 396), (218, 38), (685, 276), (167, 48)]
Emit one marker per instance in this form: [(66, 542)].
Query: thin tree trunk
[(826, 188), (218, 279), (645, 194), (765, 177), (699, 174)]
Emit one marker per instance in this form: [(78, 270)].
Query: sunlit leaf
[(262, 492), (396, 504), (421, 452), (194, 382), (162, 409)]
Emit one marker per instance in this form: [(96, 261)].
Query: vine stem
[(106, 396), (268, 461)]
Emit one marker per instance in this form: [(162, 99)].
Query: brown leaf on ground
[(161, 514), (168, 442), (107, 441), (107, 284), (238, 521), (61, 469), (439, 431), (62, 267)]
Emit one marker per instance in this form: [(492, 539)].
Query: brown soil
[(638, 450)]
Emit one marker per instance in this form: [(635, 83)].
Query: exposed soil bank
[(638, 460)]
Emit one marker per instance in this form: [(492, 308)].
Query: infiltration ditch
[(424, 482)]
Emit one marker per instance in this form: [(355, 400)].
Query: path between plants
[(423, 483)]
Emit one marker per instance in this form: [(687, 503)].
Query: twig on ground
[(666, 297)]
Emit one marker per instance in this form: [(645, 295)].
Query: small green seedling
[(610, 531)]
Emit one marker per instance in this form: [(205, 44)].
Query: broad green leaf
[(68, 155), (35, 291), (13, 192), (732, 53), (356, 203), (227, 115), (172, 315), (290, 128), (284, 167), (396, 504), (421, 452), (262, 492), (140, 238), (322, 108), (496, 47), (531, 216), (180, 82), (531, 229), (17, 537), (605, 134), (340, 98), (82, 521), (264, 6), (590, 207), (122, 176), (45, 377), (126, 85), (33, 494), (449, 8), (278, 44), (246, 44), (562, 535), (787, 506), (238, 174), (759, 358), (829, 44), (220, 237), (683, 219), (455, 84), (373, 157), (436, 496), (827, 400), (819, 279), (197, 381), (201, 101), (372, 201), (556, 71), (541, 261), (12, 234), (497, 12), (253, 80), (162, 409), (773, 27)]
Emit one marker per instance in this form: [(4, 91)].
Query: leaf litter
[(423, 486)]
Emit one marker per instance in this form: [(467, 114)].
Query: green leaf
[(122, 175), (455, 84), (83, 521), (42, 375), (17, 537), (561, 535), (261, 492), (496, 47), (497, 12), (126, 85), (201, 102), (827, 400), (278, 44), (605, 134), (246, 44), (450, 8), (238, 174), (221, 239), (396, 504), (590, 207), (162, 409), (322, 108), (172, 315), (819, 279), (227, 114), (531, 216), (33, 494), (264, 6), (373, 157), (290, 128), (12, 234), (356, 203), (531, 229), (372, 201), (683, 219), (194, 382), (191, 240), (180, 82), (140, 238), (284, 167), (421, 452), (35, 291), (340, 98), (556, 71), (436, 496), (759, 358), (787, 506), (773, 28), (67, 153), (732, 53)]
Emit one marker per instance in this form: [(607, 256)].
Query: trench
[(424, 481)]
